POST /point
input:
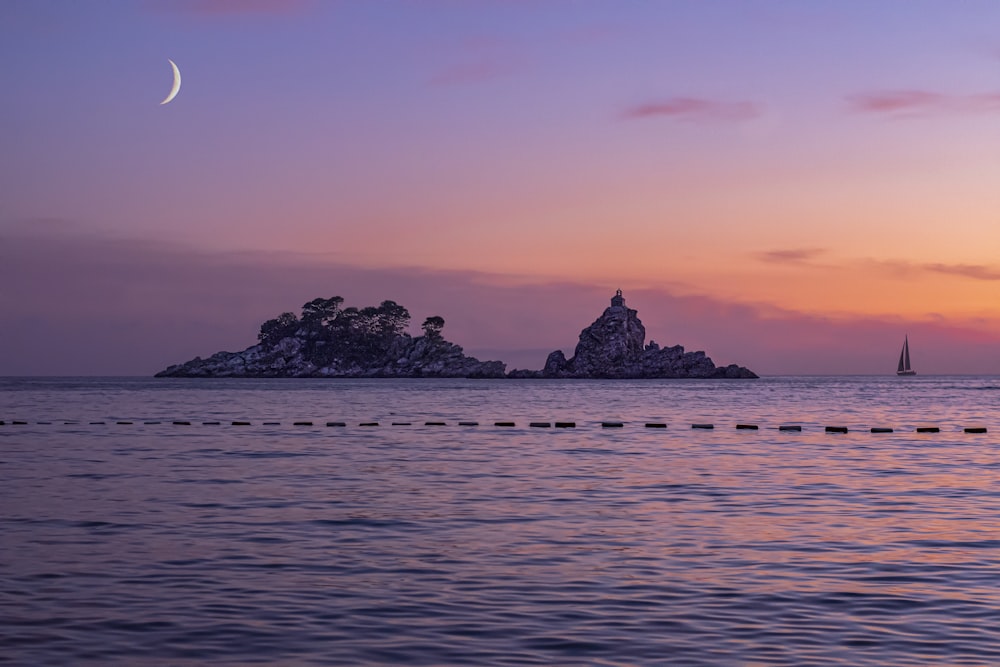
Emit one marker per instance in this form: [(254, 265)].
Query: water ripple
[(433, 546)]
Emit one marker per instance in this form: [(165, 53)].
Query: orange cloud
[(975, 271), (790, 255), (903, 269)]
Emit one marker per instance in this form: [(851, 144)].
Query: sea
[(140, 526)]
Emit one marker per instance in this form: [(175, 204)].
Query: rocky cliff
[(614, 346), (327, 341)]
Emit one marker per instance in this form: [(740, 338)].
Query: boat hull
[(906, 372)]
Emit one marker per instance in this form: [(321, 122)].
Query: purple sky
[(790, 186)]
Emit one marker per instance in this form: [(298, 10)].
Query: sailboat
[(904, 359)]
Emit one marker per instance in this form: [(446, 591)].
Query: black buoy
[(272, 424), (18, 422), (124, 423), (211, 423), (401, 424), (703, 426), (302, 423), (336, 423), (468, 423), (182, 423), (880, 429), (540, 425), (836, 429), (928, 429), (241, 423), (612, 424), (150, 423), (565, 424), (746, 427), (368, 424), (435, 424), (655, 425), (503, 423), (789, 427), (975, 429)]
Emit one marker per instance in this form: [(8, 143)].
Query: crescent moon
[(177, 83)]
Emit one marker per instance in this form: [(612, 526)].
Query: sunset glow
[(826, 166)]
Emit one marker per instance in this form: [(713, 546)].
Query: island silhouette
[(328, 340)]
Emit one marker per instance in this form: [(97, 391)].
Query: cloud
[(790, 255), (693, 108), (975, 271), (910, 103), (476, 72), (595, 33), (239, 7), (86, 304), (903, 269), (476, 58)]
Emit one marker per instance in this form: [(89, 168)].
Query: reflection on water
[(171, 545)]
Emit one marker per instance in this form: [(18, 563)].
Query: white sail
[(904, 359)]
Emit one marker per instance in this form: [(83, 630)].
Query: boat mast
[(906, 353)]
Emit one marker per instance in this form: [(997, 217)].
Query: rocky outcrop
[(350, 343), (327, 341), (614, 347)]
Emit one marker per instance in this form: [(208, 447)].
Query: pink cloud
[(476, 72), (694, 108), (595, 33), (476, 59), (236, 7), (908, 103)]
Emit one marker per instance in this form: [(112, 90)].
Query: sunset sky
[(792, 186)]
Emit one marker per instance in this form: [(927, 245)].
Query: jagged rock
[(614, 347), (334, 343)]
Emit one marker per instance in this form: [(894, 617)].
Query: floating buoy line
[(701, 426)]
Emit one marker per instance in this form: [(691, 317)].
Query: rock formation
[(614, 346), (327, 341), (350, 343)]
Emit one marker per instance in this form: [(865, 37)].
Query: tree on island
[(329, 331), (432, 327), (322, 311), (274, 330)]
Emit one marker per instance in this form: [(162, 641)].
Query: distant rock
[(614, 347), (328, 341)]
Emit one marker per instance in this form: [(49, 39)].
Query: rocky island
[(614, 346), (334, 342), (330, 341)]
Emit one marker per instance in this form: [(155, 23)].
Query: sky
[(791, 186)]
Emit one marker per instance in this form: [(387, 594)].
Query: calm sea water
[(163, 544)]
